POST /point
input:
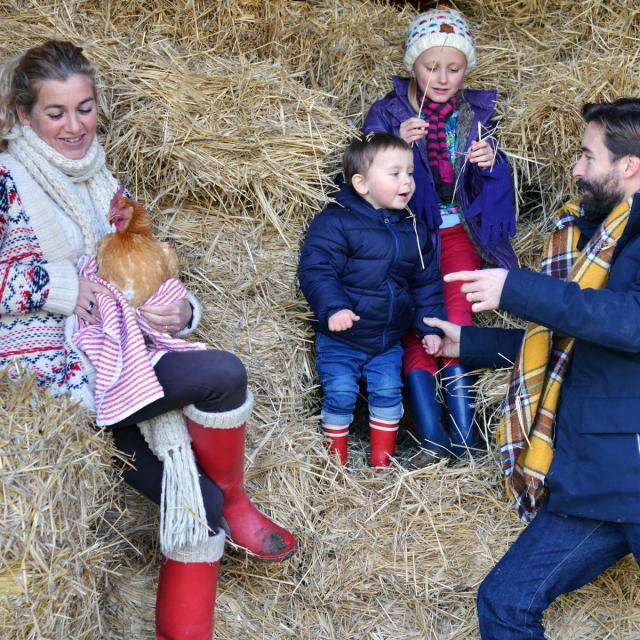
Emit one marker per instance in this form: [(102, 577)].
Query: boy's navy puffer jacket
[(367, 260)]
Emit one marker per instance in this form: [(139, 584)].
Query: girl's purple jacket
[(485, 196)]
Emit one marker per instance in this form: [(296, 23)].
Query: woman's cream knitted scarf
[(183, 516), (57, 174)]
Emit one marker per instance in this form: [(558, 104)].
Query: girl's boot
[(185, 603), (427, 413), (460, 397), (218, 443)]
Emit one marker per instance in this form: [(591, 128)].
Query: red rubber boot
[(217, 440), (337, 437), (384, 434), (185, 604)]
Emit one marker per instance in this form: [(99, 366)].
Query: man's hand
[(451, 342), (342, 320), (432, 345), (483, 287)]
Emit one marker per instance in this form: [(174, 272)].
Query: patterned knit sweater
[(39, 247)]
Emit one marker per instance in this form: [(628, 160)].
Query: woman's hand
[(86, 304), (168, 318), (413, 129), (482, 154)]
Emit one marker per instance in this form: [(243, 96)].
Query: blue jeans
[(341, 366), (554, 555)]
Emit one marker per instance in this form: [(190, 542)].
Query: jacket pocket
[(610, 415)]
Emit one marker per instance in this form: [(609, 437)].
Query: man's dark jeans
[(554, 555)]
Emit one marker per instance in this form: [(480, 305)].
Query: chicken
[(131, 258)]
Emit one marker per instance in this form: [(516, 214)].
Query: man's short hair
[(620, 121), (362, 150)]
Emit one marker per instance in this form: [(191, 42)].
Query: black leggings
[(214, 381)]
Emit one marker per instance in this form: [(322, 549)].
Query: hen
[(131, 258)]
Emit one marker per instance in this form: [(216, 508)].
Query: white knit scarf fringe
[(183, 520), (57, 174)]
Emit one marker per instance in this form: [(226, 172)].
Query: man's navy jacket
[(595, 472)]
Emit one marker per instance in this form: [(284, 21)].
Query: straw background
[(227, 119)]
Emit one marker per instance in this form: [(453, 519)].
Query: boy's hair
[(362, 150), (620, 121)]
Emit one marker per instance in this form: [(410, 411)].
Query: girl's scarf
[(528, 424), (57, 175), (437, 114)]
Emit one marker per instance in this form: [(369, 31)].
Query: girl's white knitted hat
[(439, 27)]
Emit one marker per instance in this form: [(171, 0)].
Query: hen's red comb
[(116, 198)]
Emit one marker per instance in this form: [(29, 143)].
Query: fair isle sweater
[(39, 245), (39, 248)]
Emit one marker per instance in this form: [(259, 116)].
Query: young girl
[(464, 195)]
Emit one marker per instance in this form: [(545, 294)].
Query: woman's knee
[(226, 382)]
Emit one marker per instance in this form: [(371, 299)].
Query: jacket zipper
[(391, 296)]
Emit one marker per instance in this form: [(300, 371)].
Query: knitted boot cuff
[(209, 551), (223, 420), (182, 513)]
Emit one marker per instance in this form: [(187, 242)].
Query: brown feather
[(132, 259)]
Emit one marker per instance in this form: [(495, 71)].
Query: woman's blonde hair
[(21, 75)]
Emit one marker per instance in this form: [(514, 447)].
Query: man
[(578, 369)]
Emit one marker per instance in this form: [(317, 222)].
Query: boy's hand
[(413, 129), (432, 345), (482, 153), (451, 343), (342, 320)]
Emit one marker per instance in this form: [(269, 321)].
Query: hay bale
[(57, 485)]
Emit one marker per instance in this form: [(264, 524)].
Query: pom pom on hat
[(442, 26)]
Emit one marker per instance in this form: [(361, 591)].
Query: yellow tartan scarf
[(528, 422)]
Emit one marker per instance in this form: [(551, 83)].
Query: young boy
[(368, 271)]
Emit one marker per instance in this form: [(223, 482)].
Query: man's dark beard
[(601, 199)]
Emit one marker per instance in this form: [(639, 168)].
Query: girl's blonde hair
[(21, 76)]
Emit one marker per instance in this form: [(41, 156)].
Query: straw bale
[(57, 547), (228, 120)]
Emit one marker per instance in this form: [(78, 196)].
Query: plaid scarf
[(528, 423), (436, 114)]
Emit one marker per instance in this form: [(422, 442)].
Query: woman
[(55, 192)]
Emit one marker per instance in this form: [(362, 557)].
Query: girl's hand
[(342, 320), (413, 129), (86, 305), (168, 318), (482, 154)]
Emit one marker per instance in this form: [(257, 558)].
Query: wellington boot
[(217, 440)]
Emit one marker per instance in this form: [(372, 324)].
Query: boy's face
[(388, 184), (439, 71)]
